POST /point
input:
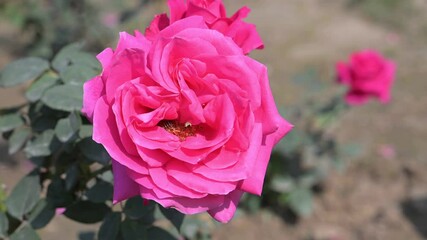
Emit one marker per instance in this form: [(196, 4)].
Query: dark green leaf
[(94, 151), (4, 225), (110, 227), (22, 70), (136, 209), (72, 177), (87, 236), (66, 128), (38, 87), (10, 121), (18, 139), (42, 214), (100, 192), (173, 215), (42, 145), (25, 233), (133, 230), (158, 233), (301, 201), (24, 196), (57, 194), (78, 74), (62, 60), (64, 97), (87, 212), (72, 55)]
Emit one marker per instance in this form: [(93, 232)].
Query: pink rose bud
[(367, 75), (188, 119)]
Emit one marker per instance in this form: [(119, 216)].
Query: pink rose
[(215, 17), (367, 74), (187, 118)]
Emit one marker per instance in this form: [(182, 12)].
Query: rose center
[(178, 129)]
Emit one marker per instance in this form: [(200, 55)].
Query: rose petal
[(93, 90), (105, 133), (124, 187), (225, 212)]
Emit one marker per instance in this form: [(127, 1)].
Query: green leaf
[(25, 233), (42, 145), (78, 74), (61, 60), (135, 209), (190, 227), (72, 177), (87, 212), (86, 131), (10, 121), (173, 215), (72, 55), (42, 214), (4, 225), (68, 127), (301, 201), (282, 184), (18, 139), (110, 227), (24, 196), (87, 235), (57, 194), (64, 97), (22, 70), (38, 87), (309, 80), (94, 151), (100, 192), (133, 230), (158, 233)]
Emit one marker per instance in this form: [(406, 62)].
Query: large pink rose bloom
[(187, 118), (214, 14), (367, 75)]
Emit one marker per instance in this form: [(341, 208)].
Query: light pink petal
[(186, 205), (196, 182), (124, 186), (105, 57), (92, 91), (225, 212), (105, 132), (162, 180), (253, 184), (194, 22), (127, 65), (177, 9), (127, 41)]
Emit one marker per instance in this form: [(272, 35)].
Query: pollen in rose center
[(178, 129)]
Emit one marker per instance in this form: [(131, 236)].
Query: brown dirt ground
[(377, 197)]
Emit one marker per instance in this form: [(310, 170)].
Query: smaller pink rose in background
[(367, 74)]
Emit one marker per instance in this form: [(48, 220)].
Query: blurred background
[(380, 194)]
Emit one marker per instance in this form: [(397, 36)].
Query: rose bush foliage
[(367, 74), (188, 119)]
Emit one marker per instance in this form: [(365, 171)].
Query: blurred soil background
[(382, 194)]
